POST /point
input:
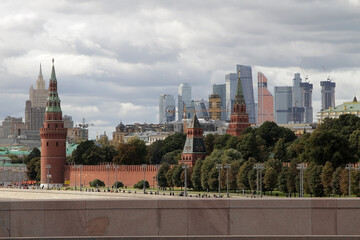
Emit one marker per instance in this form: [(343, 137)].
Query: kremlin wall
[(129, 175)]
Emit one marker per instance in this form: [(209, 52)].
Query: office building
[(231, 80), (201, 109), (215, 107), (306, 92), (166, 108), (282, 104), (184, 99), (327, 94), (265, 107), (220, 90), (248, 91)]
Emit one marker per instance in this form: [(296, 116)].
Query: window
[(47, 144)]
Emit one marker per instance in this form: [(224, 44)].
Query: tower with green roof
[(53, 138)]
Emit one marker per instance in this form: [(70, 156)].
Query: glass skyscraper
[(166, 108), (184, 99)]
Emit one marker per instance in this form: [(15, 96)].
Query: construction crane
[(306, 76), (328, 78), (83, 126)]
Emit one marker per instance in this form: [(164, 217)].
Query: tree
[(118, 185), (314, 181), (196, 175), (335, 181), (206, 167), (155, 152), (326, 177), (270, 179), (108, 152), (354, 141), (280, 150), (292, 180), (233, 171), (188, 178), (242, 177), (355, 183), (213, 178), (82, 148), (344, 182), (282, 180), (34, 153), (209, 141), (34, 169), (169, 178), (132, 153), (164, 168), (275, 164), (176, 176), (248, 147), (220, 141), (271, 133), (140, 184), (172, 157), (174, 142)]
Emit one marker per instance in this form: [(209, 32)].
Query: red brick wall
[(127, 174)]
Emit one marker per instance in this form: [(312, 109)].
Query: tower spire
[(53, 100), (40, 83), (40, 72), (239, 97)]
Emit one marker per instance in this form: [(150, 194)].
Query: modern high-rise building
[(166, 108), (283, 104), (231, 80), (201, 108), (265, 107), (298, 107), (220, 90), (184, 99), (215, 107), (35, 106), (327, 94), (248, 91)]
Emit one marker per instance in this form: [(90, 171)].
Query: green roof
[(345, 107)]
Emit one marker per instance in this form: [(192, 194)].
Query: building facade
[(327, 94), (283, 104), (184, 99), (215, 107), (335, 112), (53, 139), (265, 107), (166, 108), (245, 74), (220, 89)]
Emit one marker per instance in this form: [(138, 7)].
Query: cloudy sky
[(114, 58)]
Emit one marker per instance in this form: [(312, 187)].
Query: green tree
[(314, 181), (209, 141), (196, 175), (169, 178), (344, 182), (188, 178), (174, 142), (275, 164), (155, 152), (108, 153), (354, 141), (176, 176), (221, 140), (34, 153), (271, 133), (282, 180), (292, 180), (164, 168), (34, 169), (172, 157), (355, 177), (213, 179), (97, 183), (242, 177), (280, 152), (140, 184), (270, 179), (248, 147), (326, 177), (233, 171), (206, 168), (132, 153), (335, 181)]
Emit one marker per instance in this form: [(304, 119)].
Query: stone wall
[(215, 218), (127, 174)]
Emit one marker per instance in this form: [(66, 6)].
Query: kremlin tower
[(53, 138), (239, 119), (194, 147)]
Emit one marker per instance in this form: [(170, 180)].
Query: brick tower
[(239, 119), (194, 147), (53, 138)]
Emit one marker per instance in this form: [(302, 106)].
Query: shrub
[(97, 183), (118, 185), (140, 184)]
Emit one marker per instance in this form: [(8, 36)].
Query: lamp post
[(80, 167), (219, 167), (349, 167), (48, 166), (227, 166), (144, 168), (301, 167), (157, 178), (259, 166), (116, 170), (108, 169), (185, 166)]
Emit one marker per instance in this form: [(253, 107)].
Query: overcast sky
[(114, 58)]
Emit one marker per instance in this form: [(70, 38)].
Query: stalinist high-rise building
[(35, 106)]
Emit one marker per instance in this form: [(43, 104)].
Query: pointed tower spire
[(239, 97), (40, 82), (53, 101), (40, 73)]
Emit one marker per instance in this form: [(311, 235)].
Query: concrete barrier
[(186, 218)]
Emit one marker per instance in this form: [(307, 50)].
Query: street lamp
[(108, 169), (227, 166), (48, 166), (301, 167), (259, 166), (349, 167), (116, 184), (144, 167), (219, 167), (157, 178), (80, 167), (185, 166)]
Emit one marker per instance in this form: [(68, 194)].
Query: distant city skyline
[(114, 59)]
